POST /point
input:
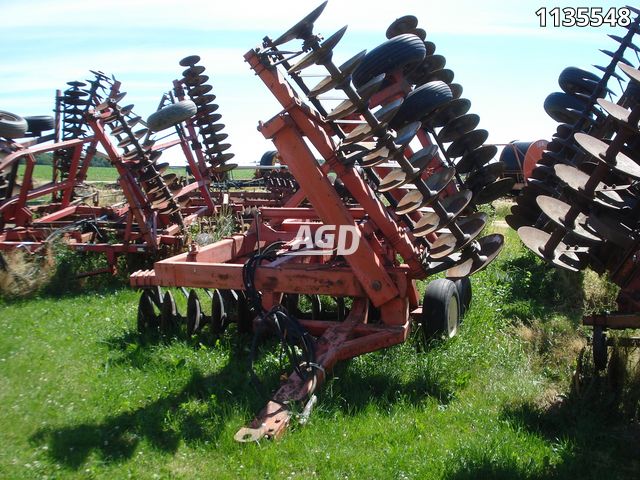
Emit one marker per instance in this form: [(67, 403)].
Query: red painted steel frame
[(372, 275), (25, 230)]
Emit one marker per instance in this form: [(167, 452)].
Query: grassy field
[(84, 396), (42, 173)]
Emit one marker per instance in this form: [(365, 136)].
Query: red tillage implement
[(581, 206), (414, 216), (158, 205)]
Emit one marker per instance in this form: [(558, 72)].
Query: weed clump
[(599, 293), (23, 274)]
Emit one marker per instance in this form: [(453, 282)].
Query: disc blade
[(320, 55), (630, 72), (479, 176), (614, 74), (445, 75), (204, 99), (437, 182), (401, 25), (189, 61), (467, 143), (517, 221), (458, 127), (479, 258), (407, 133), (453, 205), (448, 243), (558, 211), (495, 190), (562, 256), (385, 113), (616, 56), (443, 115), (612, 230), (302, 29), (211, 128), (208, 119), (343, 109), (200, 90), (361, 132), (195, 81), (330, 82), (221, 158), (423, 157), (625, 42), (371, 87), (193, 71), (394, 179), (208, 108), (476, 158), (376, 157), (221, 147), (616, 111), (598, 149)]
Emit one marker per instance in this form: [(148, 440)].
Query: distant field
[(42, 173), (243, 174)]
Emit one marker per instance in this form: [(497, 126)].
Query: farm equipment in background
[(411, 210), (159, 206), (519, 159), (581, 205)]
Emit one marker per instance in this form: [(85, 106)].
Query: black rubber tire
[(564, 108), (440, 310), (40, 123), (171, 115), (421, 102), (402, 52), (267, 158), (12, 125), (574, 80), (465, 294), (599, 348)]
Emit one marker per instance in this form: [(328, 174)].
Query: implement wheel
[(12, 125), (171, 115), (440, 310), (40, 123), (599, 348), (564, 108), (421, 102), (465, 294), (402, 52)]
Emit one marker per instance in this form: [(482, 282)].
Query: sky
[(505, 61)]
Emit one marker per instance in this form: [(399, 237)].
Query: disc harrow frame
[(392, 185), (157, 208), (581, 207)]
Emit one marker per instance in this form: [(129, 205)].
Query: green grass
[(85, 397), (42, 173)]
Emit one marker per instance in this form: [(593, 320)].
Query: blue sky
[(506, 63)]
